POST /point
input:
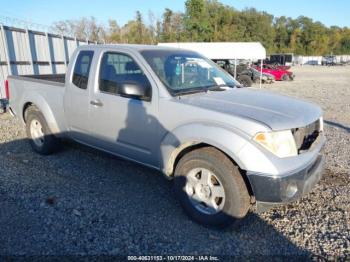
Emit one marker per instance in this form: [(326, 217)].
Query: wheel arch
[(24, 110), (189, 147), (45, 109), (181, 140)]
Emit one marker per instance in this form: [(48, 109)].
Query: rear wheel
[(40, 137), (210, 187)]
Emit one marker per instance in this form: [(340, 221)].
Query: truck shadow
[(81, 201), (338, 125)]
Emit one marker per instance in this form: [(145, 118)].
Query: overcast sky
[(45, 12)]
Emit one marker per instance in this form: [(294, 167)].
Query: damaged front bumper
[(270, 190)]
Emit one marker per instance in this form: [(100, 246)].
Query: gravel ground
[(83, 202)]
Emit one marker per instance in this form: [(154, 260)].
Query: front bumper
[(272, 190)]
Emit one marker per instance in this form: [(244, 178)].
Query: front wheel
[(285, 77), (210, 187), (40, 137), (245, 80)]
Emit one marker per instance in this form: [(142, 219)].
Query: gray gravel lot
[(80, 201)]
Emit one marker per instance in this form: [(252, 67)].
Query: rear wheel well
[(202, 145), (25, 107)]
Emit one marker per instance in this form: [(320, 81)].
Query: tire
[(285, 77), (235, 202), (40, 137), (245, 80)]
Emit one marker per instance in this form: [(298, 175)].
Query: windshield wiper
[(203, 89), (190, 91), (218, 87)]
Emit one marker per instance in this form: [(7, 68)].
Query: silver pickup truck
[(174, 110)]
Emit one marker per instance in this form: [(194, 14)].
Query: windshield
[(187, 72)]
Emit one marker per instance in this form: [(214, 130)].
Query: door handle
[(96, 103)]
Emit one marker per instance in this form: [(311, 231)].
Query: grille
[(305, 136)]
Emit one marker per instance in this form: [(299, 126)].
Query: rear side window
[(82, 69)]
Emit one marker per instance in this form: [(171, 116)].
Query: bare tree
[(152, 27), (84, 28), (114, 32)]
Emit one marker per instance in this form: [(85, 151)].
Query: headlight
[(280, 143)]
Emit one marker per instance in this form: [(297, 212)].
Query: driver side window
[(117, 69)]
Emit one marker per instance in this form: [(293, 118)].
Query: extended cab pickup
[(178, 112)]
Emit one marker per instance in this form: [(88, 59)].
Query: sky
[(45, 12)]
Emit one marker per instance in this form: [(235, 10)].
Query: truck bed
[(59, 78), (44, 91)]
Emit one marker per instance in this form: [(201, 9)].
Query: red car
[(280, 67), (279, 74)]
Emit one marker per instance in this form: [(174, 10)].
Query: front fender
[(188, 135)]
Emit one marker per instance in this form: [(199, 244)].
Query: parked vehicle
[(281, 59), (279, 74), (177, 112), (266, 77), (243, 75), (312, 62), (329, 60), (277, 66)]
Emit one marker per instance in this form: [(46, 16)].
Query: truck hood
[(276, 111)]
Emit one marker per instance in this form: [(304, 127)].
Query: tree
[(196, 20), (114, 32), (210, 20), (84, 28), (335, 37), (345, 41), (171, 27), (282, 39), (167, 33), (136, 32), (153, 27)]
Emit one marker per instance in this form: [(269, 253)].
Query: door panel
[(77, 98), (124, 126)]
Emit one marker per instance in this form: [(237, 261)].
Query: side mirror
[(135, 90)]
